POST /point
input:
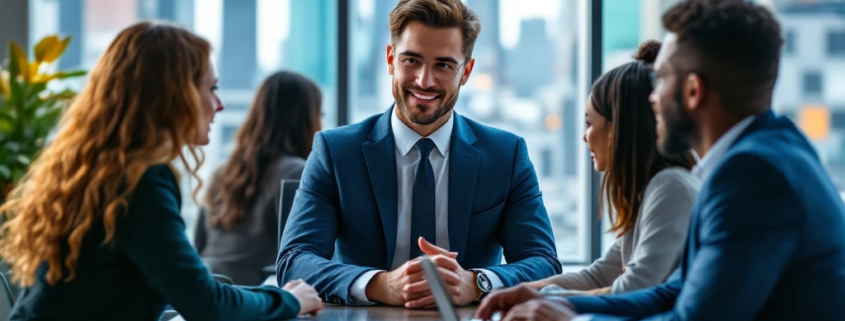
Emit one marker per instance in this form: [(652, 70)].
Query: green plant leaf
[(5, 173), (70, 74), (23, 160), (14, 70), (17, 173), (35, 90), (20, 61), (17, 90), (60, 75)]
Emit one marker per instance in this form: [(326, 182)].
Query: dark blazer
[(150, 264), (766, 240), (344, 217), (242, 253)]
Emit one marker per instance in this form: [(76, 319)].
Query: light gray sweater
[(651, 251)]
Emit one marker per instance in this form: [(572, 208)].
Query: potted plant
[(28, 108)]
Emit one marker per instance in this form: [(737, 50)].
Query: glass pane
[(811, 69), (525, 80), (251, 39)]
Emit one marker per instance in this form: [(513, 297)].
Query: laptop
[(438, 290)]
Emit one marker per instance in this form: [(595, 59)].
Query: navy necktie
[(422, 206)]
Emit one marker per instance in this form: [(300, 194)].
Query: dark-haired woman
[(651, 195), (237, 233)]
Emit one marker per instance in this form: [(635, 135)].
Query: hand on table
[(309, 300), (540, 310), (459, 283), (504, 300)]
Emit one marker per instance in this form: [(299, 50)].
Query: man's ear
[(389, 56), (694, 92), (467, 71)]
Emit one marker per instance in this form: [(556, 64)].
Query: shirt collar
[(707, 163), (405, 138)]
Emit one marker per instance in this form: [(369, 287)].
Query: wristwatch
[(483, 283)]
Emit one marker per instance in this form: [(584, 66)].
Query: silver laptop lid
[(438, 290)]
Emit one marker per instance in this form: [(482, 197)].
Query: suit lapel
[(381, 165), (692, 245), (463, 170)]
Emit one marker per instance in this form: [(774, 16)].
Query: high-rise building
[(528, 65), (70, 23), (311, 46), (238, 52)]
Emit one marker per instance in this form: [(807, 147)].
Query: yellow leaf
[(4, 83), (22, 62), (33, 70), (56, 51), (44, 46)]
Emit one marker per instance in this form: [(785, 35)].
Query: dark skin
[(680, 93)]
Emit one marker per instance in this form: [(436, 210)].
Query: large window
[(251, 39), (525, 81), (533, 64), (836, 43), (810, 72)]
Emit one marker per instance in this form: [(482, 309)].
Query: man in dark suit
[(418, 179), (766, 236)]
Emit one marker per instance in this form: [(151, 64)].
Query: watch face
[(483, 282)]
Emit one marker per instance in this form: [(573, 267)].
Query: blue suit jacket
[(343, 220), (766, 241)]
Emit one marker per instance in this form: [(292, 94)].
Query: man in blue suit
[(766, 237), (418, 179)]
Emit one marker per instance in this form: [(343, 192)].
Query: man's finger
[(417, 295), (419, 303), (431, 249), (416, 277), (417, 287), (449, 277), (413, 267), (496, 301), (446, 262)]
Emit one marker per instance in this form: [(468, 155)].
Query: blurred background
[(535, 60)]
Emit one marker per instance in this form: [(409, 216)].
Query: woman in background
[(651, 195), (94, 230), (237, 234)]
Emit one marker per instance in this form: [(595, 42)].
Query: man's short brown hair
[(436, 14)]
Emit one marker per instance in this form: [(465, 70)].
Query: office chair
[(286, 196), (7, 301)]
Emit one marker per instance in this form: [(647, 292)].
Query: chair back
[(7, 301), (289, 187)]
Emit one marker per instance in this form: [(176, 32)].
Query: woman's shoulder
[(156, 182), (289, 167), (674, 180)]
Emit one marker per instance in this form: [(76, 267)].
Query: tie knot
[(424, 145)]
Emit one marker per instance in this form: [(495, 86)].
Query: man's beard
[(679, 127), (400, 95)]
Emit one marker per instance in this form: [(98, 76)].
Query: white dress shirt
[(707, 163), (407, 157)]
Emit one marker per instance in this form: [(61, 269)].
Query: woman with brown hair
[(237, 233), (94, 229), (651, 195)]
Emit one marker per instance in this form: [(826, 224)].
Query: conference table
[(336, 312), (377, 313)]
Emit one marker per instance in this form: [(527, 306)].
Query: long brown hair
[(621, 96), (282, 121), (141, 107)]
